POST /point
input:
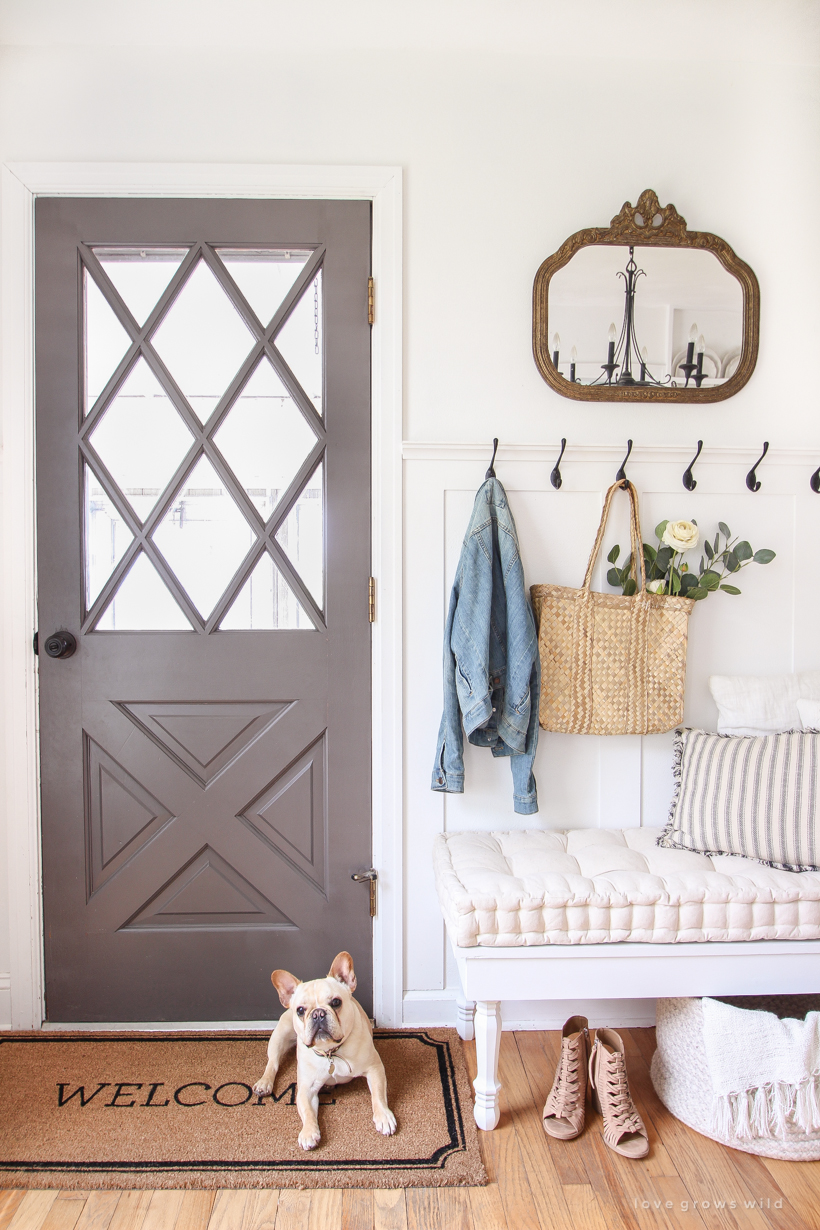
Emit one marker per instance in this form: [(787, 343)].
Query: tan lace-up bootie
[(564, 1109), (623, 1127)]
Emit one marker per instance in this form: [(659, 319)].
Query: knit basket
[(610, 664)]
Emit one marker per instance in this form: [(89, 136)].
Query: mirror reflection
[(642, 317)]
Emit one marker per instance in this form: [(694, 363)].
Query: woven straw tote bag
[(610, 664)]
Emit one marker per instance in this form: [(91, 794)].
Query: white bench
[(607, 914)]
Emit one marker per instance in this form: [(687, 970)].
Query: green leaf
[(764, 556), (698, 593), (707, 546), (629, 587), (690, 581), (732, 562), (717, 543), (743, 551), (613, 555), (724, 529), (659, 529), (614, 577), (710, 580), (649, 552), (664, 557), (702, 564), (730, 589)]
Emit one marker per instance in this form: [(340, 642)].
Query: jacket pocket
[(464, 690), (522, 709)]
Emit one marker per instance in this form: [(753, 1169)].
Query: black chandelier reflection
[(625, 351)]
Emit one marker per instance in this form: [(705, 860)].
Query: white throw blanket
[(763, 1070)]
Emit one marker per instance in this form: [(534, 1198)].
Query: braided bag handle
[(635, 535)]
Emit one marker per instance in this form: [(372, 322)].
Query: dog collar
[(330, 1056)]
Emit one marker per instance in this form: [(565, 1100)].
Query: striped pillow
[(756, 796)]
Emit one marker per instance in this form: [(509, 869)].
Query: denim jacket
[(492, 672)]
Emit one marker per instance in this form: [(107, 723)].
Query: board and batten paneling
[(585, 781)]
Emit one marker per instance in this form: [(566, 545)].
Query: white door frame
[(21, 184)]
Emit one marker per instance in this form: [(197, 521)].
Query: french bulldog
[(334, 1045)]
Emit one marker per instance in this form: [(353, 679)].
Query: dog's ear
[(342, 969), (285, 984)]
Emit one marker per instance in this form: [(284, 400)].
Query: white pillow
[(809, 711), (762, 705)]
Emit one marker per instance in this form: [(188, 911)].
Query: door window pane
[(142, 439), (202, 340), (265, 439), (301, 535), (140, 274), (143, 602), (204, 536), (107, 537), (301, 340), (266, 601), (106, 341), (264, 276)]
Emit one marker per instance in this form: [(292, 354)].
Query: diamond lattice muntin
[(265, 439), (202, 451)]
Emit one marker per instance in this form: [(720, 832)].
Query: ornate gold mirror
[(645, 310)]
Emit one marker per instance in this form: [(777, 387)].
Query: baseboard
[(189, 1027), (433, 1008), (5, 1001)]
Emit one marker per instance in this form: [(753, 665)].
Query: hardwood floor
[(537, 1183)]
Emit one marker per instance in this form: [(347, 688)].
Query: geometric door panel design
[(290, 815), (121, 816), (207, 894), (205, 737)]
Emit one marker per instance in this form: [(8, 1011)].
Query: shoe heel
[(593, 1092)]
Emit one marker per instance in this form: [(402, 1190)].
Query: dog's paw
[(385, 1122), (263, 1088), (309, 1138)]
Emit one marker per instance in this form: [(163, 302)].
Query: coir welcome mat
[(178, 1110)]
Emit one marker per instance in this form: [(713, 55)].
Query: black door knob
[(60, 645)]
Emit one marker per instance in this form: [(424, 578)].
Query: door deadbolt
[(371, 876), (60, 645)]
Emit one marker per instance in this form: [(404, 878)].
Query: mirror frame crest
[(647, 224)]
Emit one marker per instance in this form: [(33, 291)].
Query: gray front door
[(203, 514)]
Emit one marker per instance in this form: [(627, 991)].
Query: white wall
[(511, 121)]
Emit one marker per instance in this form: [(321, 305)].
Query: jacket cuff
[(447, 783), (525, 804)]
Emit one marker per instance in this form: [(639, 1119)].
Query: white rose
[(681, 535), (655, 587)]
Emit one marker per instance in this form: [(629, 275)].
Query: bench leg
[(465, 1010), (486, 1084)]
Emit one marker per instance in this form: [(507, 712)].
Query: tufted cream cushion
[(598, 886)]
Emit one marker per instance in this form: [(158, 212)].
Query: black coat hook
[(621, 475), (689, 482), (555, 476), (491, 472), (814, 481), (752, 481)]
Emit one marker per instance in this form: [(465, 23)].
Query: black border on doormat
[(457, 1142)]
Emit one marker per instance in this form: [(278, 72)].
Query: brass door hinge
[(371, 599), (371, 301)]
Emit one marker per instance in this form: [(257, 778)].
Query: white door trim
[(21, 184)]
